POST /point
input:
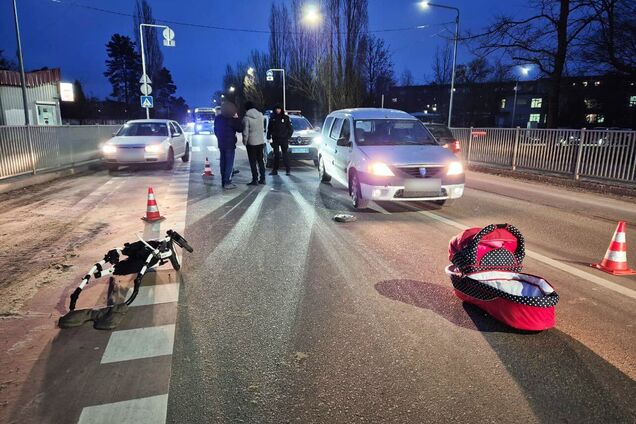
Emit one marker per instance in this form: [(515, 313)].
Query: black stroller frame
[(160, 252)]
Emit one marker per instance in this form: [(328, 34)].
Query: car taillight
[(454, 146)]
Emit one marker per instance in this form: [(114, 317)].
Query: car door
[(178, 139), (344, 148), (331, 148)]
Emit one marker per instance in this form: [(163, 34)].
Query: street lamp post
[(425, 4), (168, 42), (514, 105), (269, 71)]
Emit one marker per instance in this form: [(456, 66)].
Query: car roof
[(157, 121), (374, 113)]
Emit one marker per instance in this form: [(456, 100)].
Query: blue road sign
[(146, 101)]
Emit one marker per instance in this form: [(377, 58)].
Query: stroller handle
[(177, 238)]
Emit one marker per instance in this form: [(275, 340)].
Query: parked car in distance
[(146, 141), (303, 142), (387, 155), (444, 137)]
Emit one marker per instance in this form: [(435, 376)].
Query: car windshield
[(204, 116), (391, 132), (441, 132), (299, 123), (141, 129)]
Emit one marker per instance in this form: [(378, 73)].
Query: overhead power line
[(221, 28)]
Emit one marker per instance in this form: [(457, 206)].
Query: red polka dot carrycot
[(486, 272)]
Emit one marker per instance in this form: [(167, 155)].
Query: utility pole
[(27, 120)]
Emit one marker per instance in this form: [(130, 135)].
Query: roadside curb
[(559, 181), (24, 181)]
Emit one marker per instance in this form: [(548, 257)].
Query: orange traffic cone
[(207, 170), (615, 260), (152, 211)]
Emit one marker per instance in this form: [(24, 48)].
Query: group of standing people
[(227, 124)]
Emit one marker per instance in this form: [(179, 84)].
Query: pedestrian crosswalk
[(146, 339)]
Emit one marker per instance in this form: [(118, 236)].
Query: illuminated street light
[(311, 15), (524, 70), (250, 71), (222, 96), (232, 89), (425, 5)]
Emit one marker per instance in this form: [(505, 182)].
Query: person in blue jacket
[(226, 125)]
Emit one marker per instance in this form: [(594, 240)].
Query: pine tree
[(123, 70)]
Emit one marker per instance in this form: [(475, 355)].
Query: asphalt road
[(288, 316), (283, 315)]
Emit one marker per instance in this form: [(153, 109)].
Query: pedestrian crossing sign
[(146, 101)]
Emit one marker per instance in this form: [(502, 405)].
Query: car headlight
[(317, 140), (199, 126), (153, 148), (455, 168), (380, 169), (109, 149)]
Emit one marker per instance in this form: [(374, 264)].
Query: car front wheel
[(324, 177), (186, 155), (170, 160), (356, 193)]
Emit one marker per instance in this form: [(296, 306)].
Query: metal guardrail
[(29, 150), (595, 154)]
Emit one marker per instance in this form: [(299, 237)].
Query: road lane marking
[(160, 293), (196, 149), (150, 410), (551, 262), (139, 343), (212, 149)]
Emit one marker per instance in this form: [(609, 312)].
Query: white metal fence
[(28, 150), (595, 154)]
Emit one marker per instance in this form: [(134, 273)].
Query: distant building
[(43, 97), (595, 101)]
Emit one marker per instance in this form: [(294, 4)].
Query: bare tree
[(443, 64), (406, 78), (611, 42), (378, 67), (280, 29), (542, 39)]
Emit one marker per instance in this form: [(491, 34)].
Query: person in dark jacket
[(279, 130), (226, 125)]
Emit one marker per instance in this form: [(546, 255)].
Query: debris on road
[(344, 217)]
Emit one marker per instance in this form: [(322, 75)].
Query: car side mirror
[(114, 134), (176, 134)]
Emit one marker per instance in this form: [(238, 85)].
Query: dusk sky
[(60, 33)]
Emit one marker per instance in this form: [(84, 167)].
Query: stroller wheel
[(175, 260)]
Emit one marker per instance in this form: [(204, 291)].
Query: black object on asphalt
[(344, 217)]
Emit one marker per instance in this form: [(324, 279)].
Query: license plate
[(300, 150), (430, 185)]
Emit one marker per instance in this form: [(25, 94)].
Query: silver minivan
[(387, 155)]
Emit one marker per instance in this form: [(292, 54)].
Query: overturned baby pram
[(486, 271), (140, 256)]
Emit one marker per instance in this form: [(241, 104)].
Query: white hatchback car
[(146, 141), (387, 155)]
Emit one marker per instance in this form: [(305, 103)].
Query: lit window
[(584, 83), (536, 103), (535, 117), (591, 118), (591, 103), (632, 101), (503, 103), (597, 83), (600, 119)]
